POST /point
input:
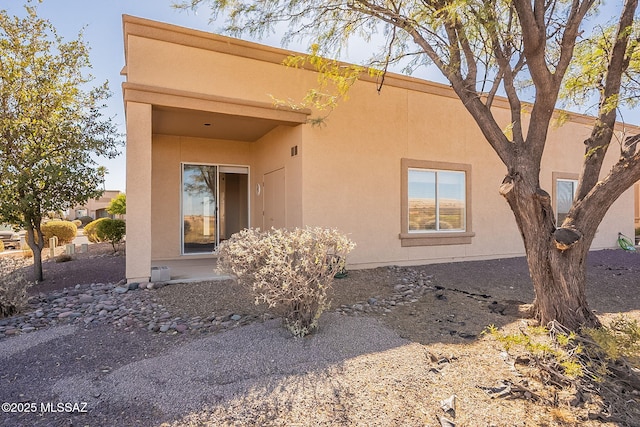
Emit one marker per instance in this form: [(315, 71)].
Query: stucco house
[(406, 172), (95, 208)]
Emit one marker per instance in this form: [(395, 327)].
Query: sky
[(101, 23)]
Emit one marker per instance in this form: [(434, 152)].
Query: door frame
[(219, 167)]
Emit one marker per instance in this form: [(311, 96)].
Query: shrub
[(77, 222), (289, 270), (619, 339), (90, 230), (1, 246), (13, 288), (118, 205), (63, 258), (65, 231), (111, 230), (85, 220)]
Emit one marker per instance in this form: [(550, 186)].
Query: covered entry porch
[(199, 168)]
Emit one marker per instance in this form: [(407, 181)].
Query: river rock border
[(124, 306), (128, 306)]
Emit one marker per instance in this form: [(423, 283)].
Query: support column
[(138, 192)]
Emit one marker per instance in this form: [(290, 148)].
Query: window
[(564, 188), (435, 203), (215, 204)]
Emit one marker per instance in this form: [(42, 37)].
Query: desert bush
[(85, 220), (111, 230), (619, 339), (91, 231), (1, 246), (65, 231), (13, 288), (118, 205), (77, 222), (289, 270)]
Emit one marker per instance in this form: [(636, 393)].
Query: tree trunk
[(559, 279), (36, 246), (556, 256)]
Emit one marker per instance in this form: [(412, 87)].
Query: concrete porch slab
[(191, 270)]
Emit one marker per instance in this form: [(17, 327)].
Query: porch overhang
[(183, 113)]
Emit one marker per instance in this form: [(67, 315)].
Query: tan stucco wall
[(139, 171), (170, 152), (347, 173), (94, 205), (372, 132), (273, 152), (203, 71)]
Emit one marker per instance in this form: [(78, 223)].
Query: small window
[(565, 192), (435, 203)]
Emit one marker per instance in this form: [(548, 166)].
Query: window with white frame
[(435, 203), (565, 190)]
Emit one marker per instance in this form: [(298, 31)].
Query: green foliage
[(619, 339), (91, 231), (587, 76), (560, 350), (289, 270), (334, 81), (65, 231), (13, 288), (118, 205), (51, 125), (110, 230)]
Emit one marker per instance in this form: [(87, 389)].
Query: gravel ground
[(396, 344)]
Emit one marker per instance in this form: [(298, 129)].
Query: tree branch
[(598, 143)]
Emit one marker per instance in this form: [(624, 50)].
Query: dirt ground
[(446, 323)]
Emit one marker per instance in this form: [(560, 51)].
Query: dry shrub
[(13, 287), (63, 258), (65, 231), (289, 270)]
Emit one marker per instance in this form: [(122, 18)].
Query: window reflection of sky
[(422, 184)]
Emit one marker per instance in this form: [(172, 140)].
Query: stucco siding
[(345, 173)]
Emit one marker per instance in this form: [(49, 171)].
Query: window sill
[(436, 239)]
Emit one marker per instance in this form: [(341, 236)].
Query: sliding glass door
[(215, 204)]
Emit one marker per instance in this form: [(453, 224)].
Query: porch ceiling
[(182, 113), (204, 124)]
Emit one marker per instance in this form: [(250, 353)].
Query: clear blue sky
[(101, 21)]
